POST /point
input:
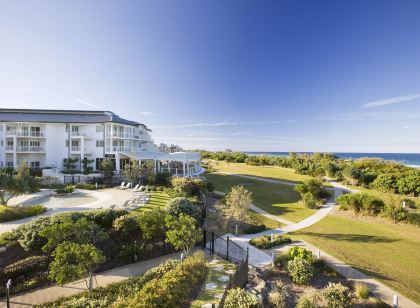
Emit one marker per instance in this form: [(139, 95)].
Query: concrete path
[(48, 294)]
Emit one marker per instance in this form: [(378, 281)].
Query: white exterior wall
[(55, 145)]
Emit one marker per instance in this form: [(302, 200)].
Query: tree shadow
[(360, 238)]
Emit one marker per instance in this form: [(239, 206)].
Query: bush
[(8, 239), (105, 218), (280, 261), (173, 288), (126, 228), (300, 253), (413, 218), (255, 229), (336, 295), (410, 203), (311, 299), (361, 290), (277, 299), (28, 234), (27, 267), (361, 203), (187, 187), (89, 186), (11, 213), (210, 187), (300, 270), (163, 178), (239, 298), (264, 242), (66, 190), (181, 205)]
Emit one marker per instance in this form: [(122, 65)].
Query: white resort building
[(45, 138)]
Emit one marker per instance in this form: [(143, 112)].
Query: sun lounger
[(127, 186), (121, 186), (135, 188)]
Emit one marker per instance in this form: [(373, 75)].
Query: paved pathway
[(47, 294)]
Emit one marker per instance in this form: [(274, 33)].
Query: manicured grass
[(259, 219), (216, 274), (385, 251), (158, 199), (271, 172), (11, 213), (276, 199)]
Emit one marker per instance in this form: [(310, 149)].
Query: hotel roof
[(62, 116)]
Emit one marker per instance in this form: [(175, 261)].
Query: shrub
[(8, 239), (105, 217), (300, 253), (310, 200), (280, 261), (361, 203), (300, 270), (126, 227), (410, 203), (361, 290), (336, 295), (255, 229), (413, 218), (89, 186), (311, 299), (265, 242), (66, 190), (27, 266), (181, 205), (210, 186), (173, 288), (28, 234), (187, 187), (11, 213), (239, 298), (163, 178), (277, 299)]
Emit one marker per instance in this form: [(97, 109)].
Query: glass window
[(99, 143)]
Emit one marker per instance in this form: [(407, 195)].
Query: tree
[(409, 184), (353, 175), (182, 232), (86, 163), (82, 231), (311, 192), (181, 205), (239, 201), (107, 168), (20, 184), (70, 163), (126, 227), (132, 171), (152, 224), (73, 261), (149, 172)]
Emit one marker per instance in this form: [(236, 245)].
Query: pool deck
[(105, 198)]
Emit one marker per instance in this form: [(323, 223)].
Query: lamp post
[(8, 285)]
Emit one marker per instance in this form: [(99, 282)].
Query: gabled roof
[(62, 116)]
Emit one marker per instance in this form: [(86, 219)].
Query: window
[(1, 143), (67, 143), (35, 164), (99, 128), (67, 128), (9, 164), (99, 143), (75, 129)]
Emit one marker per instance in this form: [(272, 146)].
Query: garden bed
[(11, 213)]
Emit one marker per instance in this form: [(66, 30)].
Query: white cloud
[(147, 113), (406, 126), (83, 102), (391, 101), (226, 123)]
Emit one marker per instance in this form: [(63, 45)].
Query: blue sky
[(246, 75)]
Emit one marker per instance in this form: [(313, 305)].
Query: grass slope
[(11, 213), (276, 199), (158, 199), (385, 251)]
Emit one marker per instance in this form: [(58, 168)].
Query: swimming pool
[(71, 200)]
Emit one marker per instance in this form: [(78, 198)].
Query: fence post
[(212, 243), (204, 239), (227, 249)]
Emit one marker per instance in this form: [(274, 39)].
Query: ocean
[(408, 159)]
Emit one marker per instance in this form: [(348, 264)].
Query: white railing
[(30, 149), (9, 148), (29, 134), (75, 148), (78, 134)]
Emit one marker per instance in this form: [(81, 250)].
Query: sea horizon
[(408, 159)]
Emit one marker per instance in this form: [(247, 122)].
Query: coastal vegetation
[(374, 173), (11, 213)]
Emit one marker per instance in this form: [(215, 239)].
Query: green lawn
[(157, 199), (385, 251), (271, 172), (276, 199)]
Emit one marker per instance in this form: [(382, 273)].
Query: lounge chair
[(135, 188), (127, 186), (121, 186)]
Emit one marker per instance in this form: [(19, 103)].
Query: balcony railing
[(30, 149), (22, 133), (75, 148), (10, 148), (78, 134)]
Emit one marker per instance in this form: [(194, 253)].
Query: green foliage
[(409, 184), (152, 224), (28, 266), (172, 289), (89, 186), (277, 299), (300, 270), (8, 239), (410, 203), (105, 217), (107, 168), (299, 253), (187, 187), (312, 192), (66, 190), (132, 171), (70, 163), (361, 203), (337, 295), (181, 205), (265, 242), (312, 298), (10, 213), (255, 229), (73, 261), (28, 234), (87, 165), (82, 231), (163, 178), (280, 261), (126, 228), (105, 297), (148, 170), (239, 298), (385, 183), (182, 232), (239, 201)]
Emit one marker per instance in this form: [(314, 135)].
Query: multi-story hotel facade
[(45, 138)]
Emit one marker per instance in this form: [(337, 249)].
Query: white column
[(117, 162), (82, 151), (14, 152), (183, 168)]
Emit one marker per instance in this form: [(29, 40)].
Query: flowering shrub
[(239, 298), (300, 253), (336, 295)]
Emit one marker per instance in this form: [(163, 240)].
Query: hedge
[(265, 242)]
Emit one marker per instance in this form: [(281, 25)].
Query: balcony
[(23, 133), (78, 134), (10, 148), (30, 149), (78, 149)]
